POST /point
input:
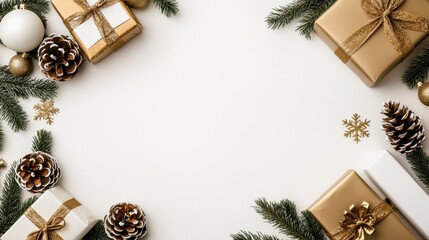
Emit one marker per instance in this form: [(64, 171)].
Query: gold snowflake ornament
[(356, 128), (45, 110)]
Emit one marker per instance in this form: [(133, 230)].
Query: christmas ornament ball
[(424, 93), (21, 30), (20, 65), (2, 163), (136, 3)]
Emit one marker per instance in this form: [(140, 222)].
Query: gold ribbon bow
[(106, 30), (384, 12), (47, 230), (359, 221)]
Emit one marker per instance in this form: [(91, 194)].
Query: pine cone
[(37, 172), (59, 57), (125, 221), (404, 130)]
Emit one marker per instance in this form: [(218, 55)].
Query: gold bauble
[(136, 3), (20, 65), (424, 93), (2, 163)]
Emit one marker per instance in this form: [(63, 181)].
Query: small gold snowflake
[(45, 110), (356, 128)]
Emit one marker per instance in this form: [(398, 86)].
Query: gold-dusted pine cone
[(125, 221), (59, 57), (403, 128), (37, 172)]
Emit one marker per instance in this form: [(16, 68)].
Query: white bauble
[(21, 30)]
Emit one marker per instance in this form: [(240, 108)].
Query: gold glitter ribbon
[(359, 221), (47, 230), (384, 12), (106, 30)]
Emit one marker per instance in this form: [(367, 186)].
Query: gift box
[(56, 216), (99, 26), (407, 196), (359, 33), (369, 217)]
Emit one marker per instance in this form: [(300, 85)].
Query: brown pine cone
[(404, 130), (37, 172), (125, 221), (59, 57)]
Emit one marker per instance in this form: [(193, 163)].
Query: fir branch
[(42, 141), (1, 137), (11, 193), (314, 11), (417, 71), (245, 235), (25, 87), (312, 225), (419, 161), (168, 7), (11, 111), (283, 15), (97, 232)]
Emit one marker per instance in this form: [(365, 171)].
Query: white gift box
[(78, 221), (406, 195)]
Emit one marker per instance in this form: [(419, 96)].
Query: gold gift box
[(95, 53), (376, 57), (351, 189)]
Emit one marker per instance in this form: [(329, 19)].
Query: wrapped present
[(373, 36), (402, 190), (352, 210), (56, 216), (99, 26)]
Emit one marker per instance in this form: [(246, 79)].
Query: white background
[(205, 112)]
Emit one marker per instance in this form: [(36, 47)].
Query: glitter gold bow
[(47, 229), (358, 221), (384, 12), (106, 30)]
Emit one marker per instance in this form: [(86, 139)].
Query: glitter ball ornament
[(59, 57), (423, 93), (20, 65), (125, 221), (37, 172), (21, 30), (136, 3)]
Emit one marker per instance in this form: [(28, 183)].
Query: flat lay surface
[(203, 113)]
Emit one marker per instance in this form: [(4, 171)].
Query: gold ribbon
[(359, 221), (384, 12), (106, 30), (47, 230)]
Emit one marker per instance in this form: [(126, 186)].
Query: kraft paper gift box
[(59, 213), (113, 17), (351, 189), (377, 56), (407, 196)]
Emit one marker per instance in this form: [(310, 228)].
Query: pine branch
[(97, 232), (283, 15), (244, 235), (168, 7), (314, 11), (11, 111), (312, 225), (283, 216), (417, 71), (1, 137), (25, 87), (42, 141), (11, 192), (419, 161)]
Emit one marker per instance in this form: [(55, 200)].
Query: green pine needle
[(168, 7), (245, 235), (307, 11), (283, 15), (419, 162), (284, 217), (11, 111), (42, 141), (97, 232), (417, 71)]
